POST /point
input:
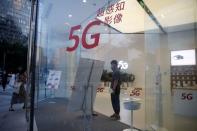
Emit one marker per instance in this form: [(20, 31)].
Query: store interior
[(148, 41)]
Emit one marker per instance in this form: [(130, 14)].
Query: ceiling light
[(84, 1), (69, 15), (162, 16), (66, 23)]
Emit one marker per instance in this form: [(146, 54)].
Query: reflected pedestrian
[(4, 79), (19, 93), (12, 80)]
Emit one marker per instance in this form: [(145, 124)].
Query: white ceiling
[(173, 15), (169, 13), (133, 19), (174, 12)]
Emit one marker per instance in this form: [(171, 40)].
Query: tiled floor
[(103, 105), (170, 120)]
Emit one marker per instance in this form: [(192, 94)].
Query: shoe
[(116, 117), (112, 115), (11, 109), (94, 114)]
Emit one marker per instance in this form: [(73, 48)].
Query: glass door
[(171, 65)]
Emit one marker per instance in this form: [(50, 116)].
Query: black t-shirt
[(116, 76)]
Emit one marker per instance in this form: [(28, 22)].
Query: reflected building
[(14, 20)]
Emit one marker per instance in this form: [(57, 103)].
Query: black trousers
[(115, 100)]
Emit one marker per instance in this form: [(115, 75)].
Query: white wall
[(158, 47), (126, 47)]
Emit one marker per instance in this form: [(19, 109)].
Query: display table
[(132, 104), (185, 101)]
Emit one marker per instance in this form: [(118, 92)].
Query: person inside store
[(19, 93), (115, 87)]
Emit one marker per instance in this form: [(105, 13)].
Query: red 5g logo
[(136, 92), (185, 96), (84, 42)]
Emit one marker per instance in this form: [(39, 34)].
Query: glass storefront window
[(170, 69), (77, 40)]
